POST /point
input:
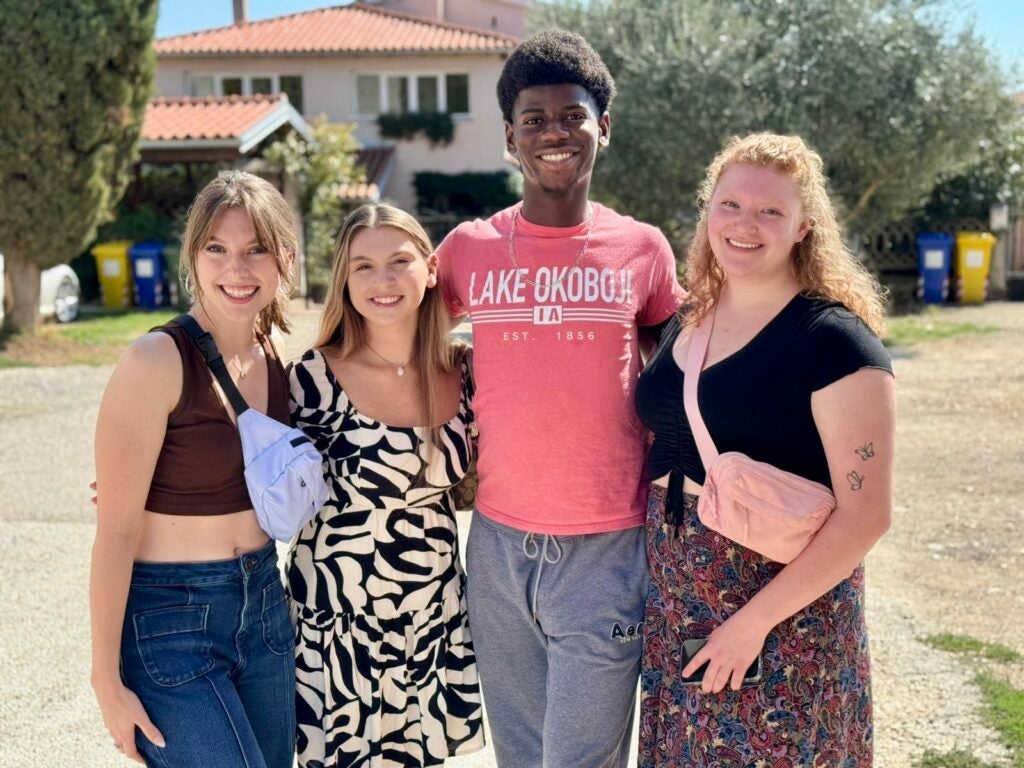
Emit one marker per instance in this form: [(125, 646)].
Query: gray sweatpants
[(557, 628)]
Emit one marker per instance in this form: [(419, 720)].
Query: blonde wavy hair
[(273, 220), (823, 265), (343, 330)]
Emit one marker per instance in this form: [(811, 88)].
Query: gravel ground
[(952, 561)]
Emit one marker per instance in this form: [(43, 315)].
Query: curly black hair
[(555, 57)]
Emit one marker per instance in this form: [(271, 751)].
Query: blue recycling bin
[(148, 270), (934, 262)]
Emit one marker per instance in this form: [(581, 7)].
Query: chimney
[(241, 11)]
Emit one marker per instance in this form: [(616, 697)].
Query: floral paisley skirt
[(812, 708)]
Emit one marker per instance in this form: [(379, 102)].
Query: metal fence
[(891, 248)]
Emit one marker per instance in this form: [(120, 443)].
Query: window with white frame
[(232, 86), (263, 85), (367, 94), (201, 85), (247, 85), (401, 93)]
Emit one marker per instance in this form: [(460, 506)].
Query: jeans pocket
[(172, 643), (278, 632)]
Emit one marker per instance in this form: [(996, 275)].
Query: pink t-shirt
[(556, 363)]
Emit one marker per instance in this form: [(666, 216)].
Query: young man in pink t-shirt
[(558, 290)]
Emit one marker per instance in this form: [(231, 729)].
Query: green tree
[(891, 99), (320, 167), (76, 79), (997, 178)]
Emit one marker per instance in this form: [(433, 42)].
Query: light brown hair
[(343, 328), (273, 220), (823, 265)]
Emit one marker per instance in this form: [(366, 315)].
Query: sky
[(1001, 22)]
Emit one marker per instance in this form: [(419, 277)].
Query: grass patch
[(964, 644), (1005, 711), (1004, 704), (5, 363), (957, 759), (905, 330), (92, 340), (114, 329)]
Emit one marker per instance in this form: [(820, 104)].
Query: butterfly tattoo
[(866, 451), (856, 480)]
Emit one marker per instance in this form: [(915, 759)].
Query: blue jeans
[(208, 648)]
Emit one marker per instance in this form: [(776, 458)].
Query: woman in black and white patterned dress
[(384, 661)]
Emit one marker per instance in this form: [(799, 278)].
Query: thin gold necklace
[(399, 367), (579, 257)]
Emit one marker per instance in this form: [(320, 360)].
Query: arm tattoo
[(856, 480), (866, 451)]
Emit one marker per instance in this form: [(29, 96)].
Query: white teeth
[(741, 244), (238, 293), (556, 158), (386, 299)]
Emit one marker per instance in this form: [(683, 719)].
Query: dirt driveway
[(952, 561), (956, 549), (954, 558)]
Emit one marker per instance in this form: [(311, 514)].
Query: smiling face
[(555, 133), (388, 276), (755, 218), (237, 275)]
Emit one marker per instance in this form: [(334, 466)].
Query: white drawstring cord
[(531, 550)]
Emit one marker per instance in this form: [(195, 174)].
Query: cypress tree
[(74, 82)]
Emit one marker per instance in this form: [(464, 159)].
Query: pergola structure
[(211, 129)]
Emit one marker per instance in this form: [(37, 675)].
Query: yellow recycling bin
[(114, 273), (973, 261)]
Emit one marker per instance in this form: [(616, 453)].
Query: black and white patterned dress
[(384, 660)]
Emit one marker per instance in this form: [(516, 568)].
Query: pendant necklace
[(399, 367), (243, 370)]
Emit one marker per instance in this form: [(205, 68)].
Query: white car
[(59, 293)]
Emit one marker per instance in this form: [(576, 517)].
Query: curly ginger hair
[(822, 264)]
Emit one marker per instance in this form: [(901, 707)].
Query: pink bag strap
[(700, 337)]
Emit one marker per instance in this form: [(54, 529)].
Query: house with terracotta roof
[(354, 62), (206, 129)]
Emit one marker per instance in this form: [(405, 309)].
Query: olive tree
[(76, 79), (320, 167), (892, 99)]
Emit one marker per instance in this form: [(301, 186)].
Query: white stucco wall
[(507, 16), (329, 88)]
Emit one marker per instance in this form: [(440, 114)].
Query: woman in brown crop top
[(192, 643)]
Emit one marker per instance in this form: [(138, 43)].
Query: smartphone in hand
[(690, 648)]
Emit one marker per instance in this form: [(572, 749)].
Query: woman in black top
[(795, 376)]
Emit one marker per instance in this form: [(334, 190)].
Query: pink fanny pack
[(761, 507)]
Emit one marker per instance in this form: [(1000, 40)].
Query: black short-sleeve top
[(758, 400)]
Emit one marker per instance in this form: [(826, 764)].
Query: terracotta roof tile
[(209, 117), (376, 163), (355, 28)]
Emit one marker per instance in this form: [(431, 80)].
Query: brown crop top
[(200, 468)]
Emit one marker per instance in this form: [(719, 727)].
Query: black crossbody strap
[(214, 360)]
